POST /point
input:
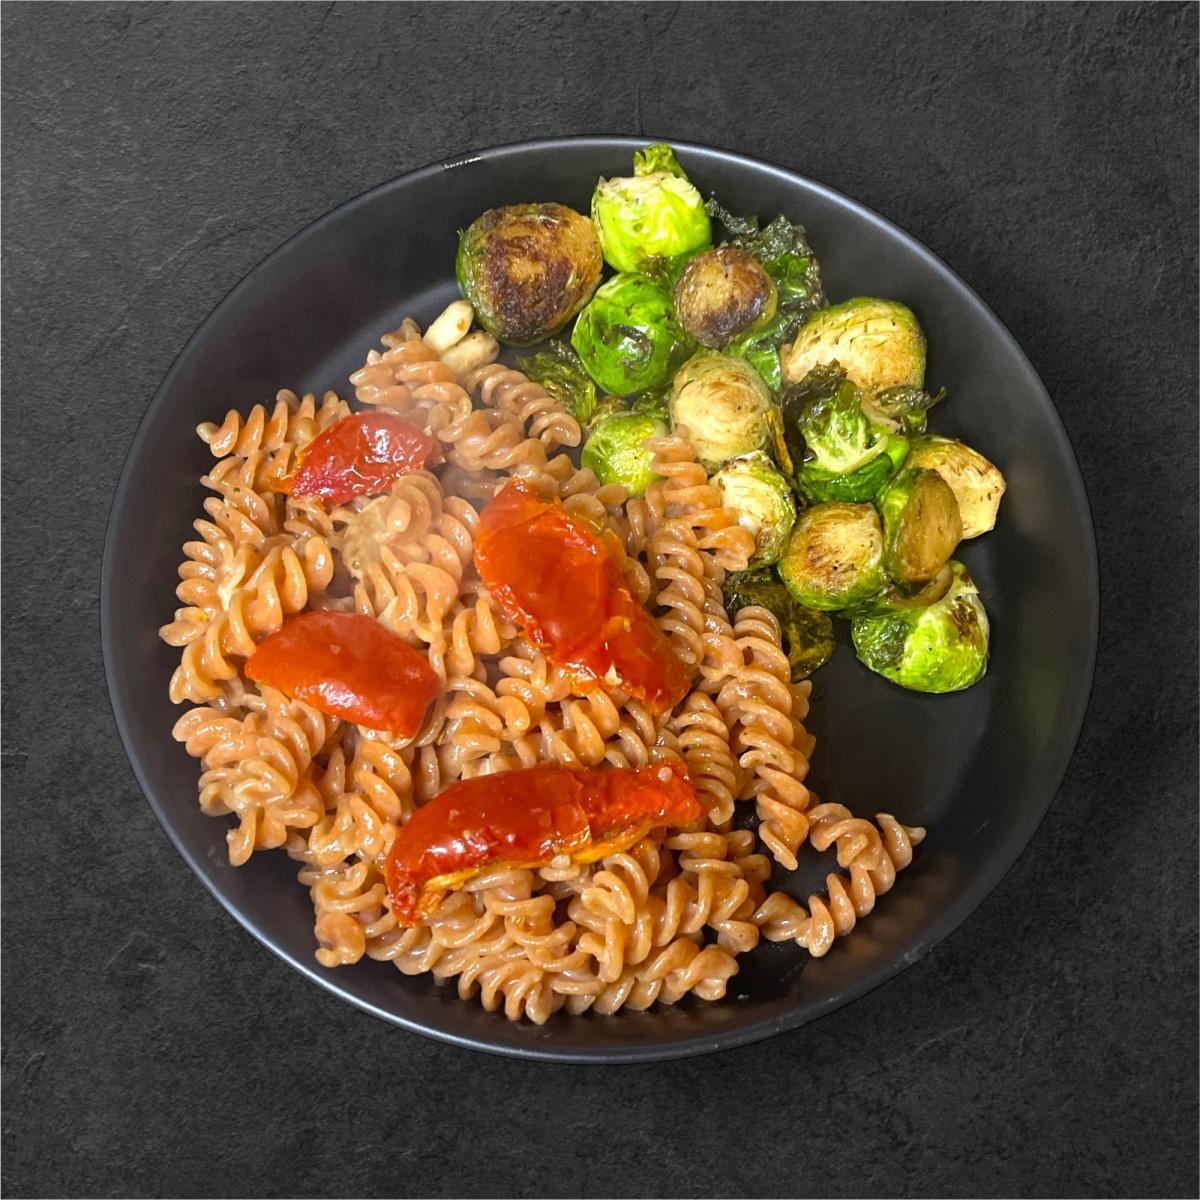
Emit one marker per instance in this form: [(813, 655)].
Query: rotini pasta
[(661, 920)]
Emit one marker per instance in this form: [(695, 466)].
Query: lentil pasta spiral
[(652, 922)]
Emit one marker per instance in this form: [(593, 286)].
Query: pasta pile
[(663, 920)]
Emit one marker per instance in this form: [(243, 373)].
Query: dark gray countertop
[(153, 154)]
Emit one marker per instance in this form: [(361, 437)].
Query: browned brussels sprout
[(528, 269), (723, 292), (834, 559), (921, 525), (976, 483)]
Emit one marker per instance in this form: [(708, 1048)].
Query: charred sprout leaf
[(659, 158), (528, 269), (628, 338), (616, 452), (762, 499), (841, 454), (902, 409), (921, 525), (724, 292), (878, 343), (561, 372), (942, 647), (734, 225), (976, 483), (808, 636), (724, 404), (834, 559), (654, 214)]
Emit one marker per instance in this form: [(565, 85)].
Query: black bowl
[(978, 768)]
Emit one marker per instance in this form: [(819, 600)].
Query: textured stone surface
[(153, 154)]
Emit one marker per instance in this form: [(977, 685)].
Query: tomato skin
[(350, 666), (562, 581), (362, 455), (525, 818)]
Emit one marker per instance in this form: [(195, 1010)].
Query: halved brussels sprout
[(528, 269), (840, 454), (976, 483), (616, 452), (808, 637), (723, 292), (724, 404), (921, 525), (628, 337), (834, 559), (561, 372), (942, 647), (878, 343), (763, 501), (654, 214)]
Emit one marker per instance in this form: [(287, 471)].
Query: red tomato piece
[(348, 665), (524, 818), (562, 581), (361, 455)]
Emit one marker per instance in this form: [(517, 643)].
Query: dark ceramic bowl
[(978, 768)]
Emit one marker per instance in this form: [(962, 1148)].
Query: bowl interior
[(978, 768)]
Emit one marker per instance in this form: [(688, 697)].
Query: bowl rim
[(939, 927)]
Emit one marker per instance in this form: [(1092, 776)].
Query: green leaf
[(559, 370), (657, 158)]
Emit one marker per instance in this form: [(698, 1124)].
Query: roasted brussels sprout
[(783, 251), (808, 637), (942, 647), (878, 343), (628, 337), (921, 526), (902, 409), (559, 370), (528, 269), (654, 214), (977, 484), (836, 451), (834, 559), (723, 292), (763, 501), (724, 404), (616, 451)]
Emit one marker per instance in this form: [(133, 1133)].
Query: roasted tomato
[(361, 455), (348, 665), (526, 818), (562, 581)]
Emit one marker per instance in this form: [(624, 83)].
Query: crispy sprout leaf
[(808, 636), (559, 370)]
